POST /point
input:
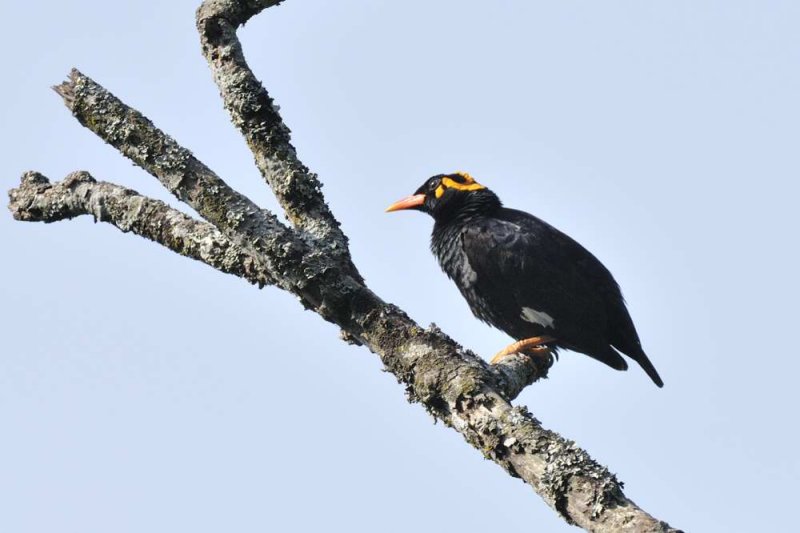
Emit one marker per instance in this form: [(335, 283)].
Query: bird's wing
[(543, 276), (537, 268)]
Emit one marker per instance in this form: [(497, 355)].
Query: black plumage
[(525, 277)]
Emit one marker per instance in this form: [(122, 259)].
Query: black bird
[(525, 277)]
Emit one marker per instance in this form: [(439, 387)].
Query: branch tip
[(66, 89)]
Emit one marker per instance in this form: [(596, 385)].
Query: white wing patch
[(537, 317), (468, 276)]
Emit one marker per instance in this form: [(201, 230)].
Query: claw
[(532, 346)]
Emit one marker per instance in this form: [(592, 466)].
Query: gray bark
[(38, 200), (311, 259)]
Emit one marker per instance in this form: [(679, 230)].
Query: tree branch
[(313, 262), (256, 116), (38, 200), (192, 182), (185, 176)]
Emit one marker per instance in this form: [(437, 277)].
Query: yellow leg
[(532, 346)]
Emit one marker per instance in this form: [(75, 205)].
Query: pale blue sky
[(140, 391)]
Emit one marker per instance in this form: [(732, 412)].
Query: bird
[(525, 277)]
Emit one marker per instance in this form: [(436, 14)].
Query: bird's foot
[(533, 347)]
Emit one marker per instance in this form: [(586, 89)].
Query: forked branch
[(311, 259)]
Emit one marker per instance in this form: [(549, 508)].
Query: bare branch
[(454, 385), (254, 114), (466, 394), (174, 166), (38, 200), (235, 215)]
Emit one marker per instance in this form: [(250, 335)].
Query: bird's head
[(446, 195)]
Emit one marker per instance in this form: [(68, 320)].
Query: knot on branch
[(74, 179), (32, 178)]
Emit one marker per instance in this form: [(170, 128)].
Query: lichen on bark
[(311, 259)]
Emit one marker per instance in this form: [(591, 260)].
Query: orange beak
[(407, 203)]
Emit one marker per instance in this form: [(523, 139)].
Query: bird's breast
[(447, 246)]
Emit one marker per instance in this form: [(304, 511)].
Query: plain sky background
[(141, 391)]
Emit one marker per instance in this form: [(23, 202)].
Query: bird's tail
[(640, 357)]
